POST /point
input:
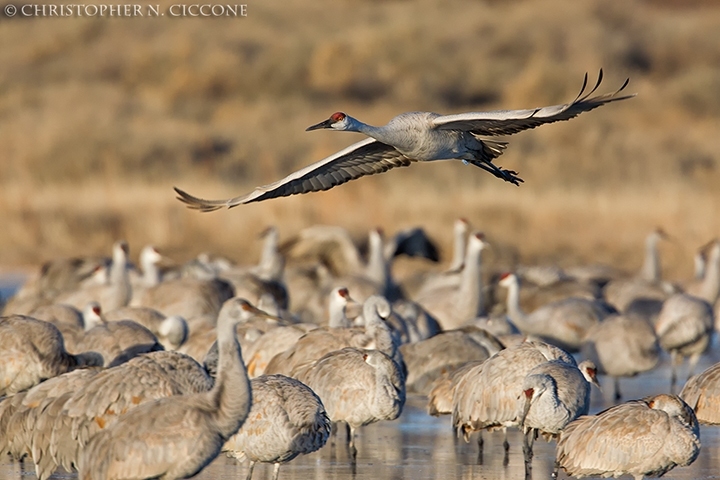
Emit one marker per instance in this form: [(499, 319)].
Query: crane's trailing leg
[(507, 175), (618, 395), (276, 471)]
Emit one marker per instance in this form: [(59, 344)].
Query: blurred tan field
[(100, 117)]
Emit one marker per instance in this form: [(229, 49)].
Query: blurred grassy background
[(100, 117)]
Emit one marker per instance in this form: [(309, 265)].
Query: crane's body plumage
[(641, 437), (411, 137)]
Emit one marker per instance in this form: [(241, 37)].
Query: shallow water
[(418, 446)]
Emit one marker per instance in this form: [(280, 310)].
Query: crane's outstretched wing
[(506, 122), (367, 157)]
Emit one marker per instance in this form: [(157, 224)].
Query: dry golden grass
[(100, 117)]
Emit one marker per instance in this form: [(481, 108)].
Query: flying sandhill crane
[(176, 437), (414, 136), (622, 346), (563, 322), (286, 419), (641, 437), (488, 396), (356, 386), (702, 393), (556, 393), (455, 305), (33, 351)]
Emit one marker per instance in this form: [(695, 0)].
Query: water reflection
[(418, 446)]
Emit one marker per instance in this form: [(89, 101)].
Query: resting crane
[(414, 137)]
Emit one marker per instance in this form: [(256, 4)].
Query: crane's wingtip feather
[(195, 203)]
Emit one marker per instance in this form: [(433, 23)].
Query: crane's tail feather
[(201, 204)]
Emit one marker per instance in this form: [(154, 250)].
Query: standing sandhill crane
[(702, 393), (188, 297), (98, 404), (563, 322), (709, 287), (455, 305), (29, 428), (451, 276), (684, 328), (32, 351), (641, 437), (286, 419), (414, 136), (316, 343), (428, 359), (487, 396), (357, 386), (440, 398), (117, 293), (622, 346), (69, 320), (556, 393), (115, 341), (170, 331), (176, 437), (646, 288)]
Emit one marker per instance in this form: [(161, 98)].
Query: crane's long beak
[(528, 394), (318, 126)]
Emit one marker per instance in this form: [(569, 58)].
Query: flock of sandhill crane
[(125, 372), (130, 373)]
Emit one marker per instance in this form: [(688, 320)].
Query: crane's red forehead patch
[(337, 117)]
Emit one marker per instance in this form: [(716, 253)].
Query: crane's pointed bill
[(324, 124)]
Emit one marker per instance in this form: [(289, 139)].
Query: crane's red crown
[(337, 117)]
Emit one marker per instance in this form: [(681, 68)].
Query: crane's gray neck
[(337, 314), (700, 266), (378, 329), (151, 274), (651, 266), (231, 394), (272, 263), (546, 406), (514, 311), (470, 294), (711, 283), (121, 292), (380, 134), (378, 269), (458, 249)]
